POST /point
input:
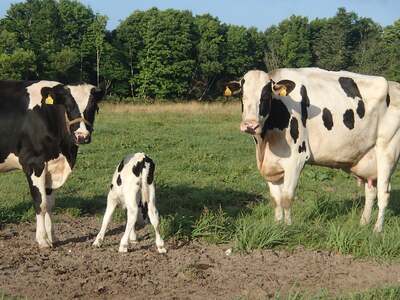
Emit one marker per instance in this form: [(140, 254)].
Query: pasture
[(211, 198)]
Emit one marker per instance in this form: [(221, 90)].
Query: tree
[(210, 48)]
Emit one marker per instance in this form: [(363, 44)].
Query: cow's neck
[(260, 144)]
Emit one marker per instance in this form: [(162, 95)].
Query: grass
[(208, 185)]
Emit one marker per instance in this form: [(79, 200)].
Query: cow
[(134, 174), (41, 125), (335, 119)]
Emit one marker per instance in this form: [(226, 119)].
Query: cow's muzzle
[(80, 136), (250, 127)]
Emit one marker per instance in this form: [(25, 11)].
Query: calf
[(134, 174)]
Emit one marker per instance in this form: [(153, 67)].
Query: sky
[(257, 13)]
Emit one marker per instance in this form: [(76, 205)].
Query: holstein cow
[(41, 125), (132, 186), (336, 119)]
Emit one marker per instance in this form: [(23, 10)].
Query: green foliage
[(169, 54)]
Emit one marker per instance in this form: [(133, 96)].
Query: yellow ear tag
[(282, 92), (227, 92), (49, 100)]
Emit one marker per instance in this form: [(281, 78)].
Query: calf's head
[(258, 91)]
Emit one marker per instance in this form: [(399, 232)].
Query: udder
[(365, 168)]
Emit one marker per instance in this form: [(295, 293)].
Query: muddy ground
[(73, 269)]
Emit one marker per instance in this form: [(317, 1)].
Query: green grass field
[(208, 185)]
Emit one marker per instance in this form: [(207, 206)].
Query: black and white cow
[(132, 186), (41, 125), (336, 119)]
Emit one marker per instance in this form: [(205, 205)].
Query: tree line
[(173, 54)]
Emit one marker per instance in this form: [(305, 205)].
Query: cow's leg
[(290, 180), (275, 190), (387, 156), (370, 196), (38, 192), (130, 194), (112, 202), (47, 217), (154, 219)]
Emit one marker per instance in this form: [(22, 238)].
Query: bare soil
[(74, 269)]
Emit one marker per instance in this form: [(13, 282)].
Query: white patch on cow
[(127, 193), (58, 171), (81, 93), (34, 92), (10, 163)]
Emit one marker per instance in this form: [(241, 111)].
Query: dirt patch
[(73, 269)]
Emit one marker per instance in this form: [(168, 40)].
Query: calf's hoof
[(45, 244), (97, 243), (123, 249), (161, 250)]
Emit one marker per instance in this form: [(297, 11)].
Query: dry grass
[(189, 107)]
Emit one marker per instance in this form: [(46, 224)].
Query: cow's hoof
[(123, 249), (45, 244), (162, 250), (377, 229), (364, 221), (96, 243), (133, 241)]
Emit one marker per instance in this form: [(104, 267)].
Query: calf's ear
[(283, 87)]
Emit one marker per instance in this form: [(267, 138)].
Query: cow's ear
[(99, 92), (48, 96), (233, 88), (283, 87)]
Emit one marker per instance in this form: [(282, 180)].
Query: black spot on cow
[(138, 168), (349, 87), (152, 167), (305, 103), (255, 140), (294, 129), (265, 100), (36, 195), (288, 84), (360, 109), (327, 118), (278, 117), (241, 104), (121, 166), (111, 186), (387, 100), (119, 180), (302, 147), (348, 119), (48, 192)]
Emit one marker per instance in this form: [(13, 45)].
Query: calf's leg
[(154, 219), (47, 217), (112, 201), (130, 194)]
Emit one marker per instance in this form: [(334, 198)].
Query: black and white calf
[(41, 125), (132, 186)]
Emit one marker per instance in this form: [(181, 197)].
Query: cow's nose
[(249, 127), (82, 139)]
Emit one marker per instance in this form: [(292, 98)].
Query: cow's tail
[(147, 179)]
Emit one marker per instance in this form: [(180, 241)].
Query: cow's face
[(258, 92), (61, 95), (86, 96)]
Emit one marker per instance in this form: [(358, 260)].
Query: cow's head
[(87, 97), (258, 91)]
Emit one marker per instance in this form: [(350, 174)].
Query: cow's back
[(343, 115)]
